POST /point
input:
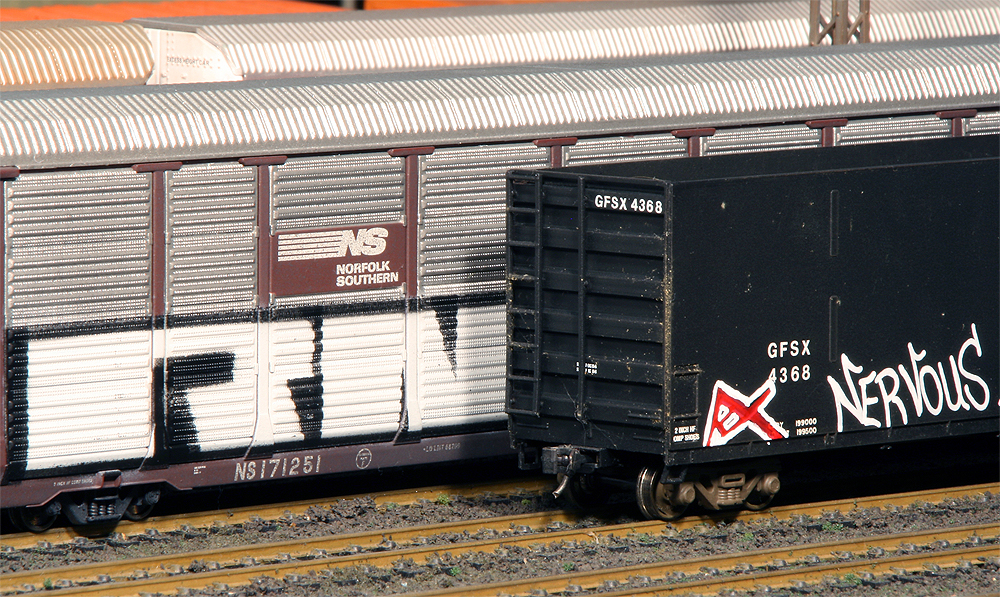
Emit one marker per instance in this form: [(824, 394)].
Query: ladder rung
[(521, 378)]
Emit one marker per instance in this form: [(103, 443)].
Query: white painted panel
[(337, 376), (362, 374), (462, 365), (292, 348), (87, 399), (224, 408)]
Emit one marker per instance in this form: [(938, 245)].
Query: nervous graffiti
[(931, 387)]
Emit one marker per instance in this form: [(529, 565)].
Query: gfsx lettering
[(931, 387)]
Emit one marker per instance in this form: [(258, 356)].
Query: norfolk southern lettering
[(366, 273)]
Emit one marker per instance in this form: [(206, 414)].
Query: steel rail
[(231, 557), (832, 550), (732, 580), (226, 557), (166, 524), (175, 522)]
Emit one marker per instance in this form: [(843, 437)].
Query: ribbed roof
[(132, 125), (902, 20), (50, 54), (258, 47)]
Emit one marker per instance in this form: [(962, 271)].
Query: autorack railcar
[(230, 283), (47, 54)]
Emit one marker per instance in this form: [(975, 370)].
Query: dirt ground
[(406, 576)]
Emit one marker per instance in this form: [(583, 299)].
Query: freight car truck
[(693, 321)]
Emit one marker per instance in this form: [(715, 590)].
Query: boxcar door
[(206, 386)]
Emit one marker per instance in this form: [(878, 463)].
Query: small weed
[(47, 583), (832, 527), (745, 537), (443, 499), (852, 578), (391, 505), (569, 567), (454, 571), (525, 502), (644, 538)]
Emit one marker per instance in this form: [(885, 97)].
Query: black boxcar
[(692, 321)]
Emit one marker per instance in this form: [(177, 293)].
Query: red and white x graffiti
[(732, 412)]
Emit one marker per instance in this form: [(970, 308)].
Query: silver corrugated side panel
[(337, 376), (338, 190), (622, 149), (985, 123), (222, 414), (769, 138), (71, 53), (462, 216), (211, 246), (462, 365), (78, 247), (88, 399), (901, 128)]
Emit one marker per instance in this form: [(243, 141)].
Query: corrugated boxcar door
[(78, 317), (210, 374), (338, 375), (462, 327)]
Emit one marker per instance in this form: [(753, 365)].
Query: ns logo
[(367, 241)]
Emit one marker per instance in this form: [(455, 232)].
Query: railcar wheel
[(763, 492), (137, 511), (33, 520), (585, 491), (141, 505), (653, 497), (757, 501)]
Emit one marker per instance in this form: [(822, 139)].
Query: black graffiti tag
[(307, 392), (172, 383)]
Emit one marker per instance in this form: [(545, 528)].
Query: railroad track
[(780, 567), (177, 522), (380, 548)]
